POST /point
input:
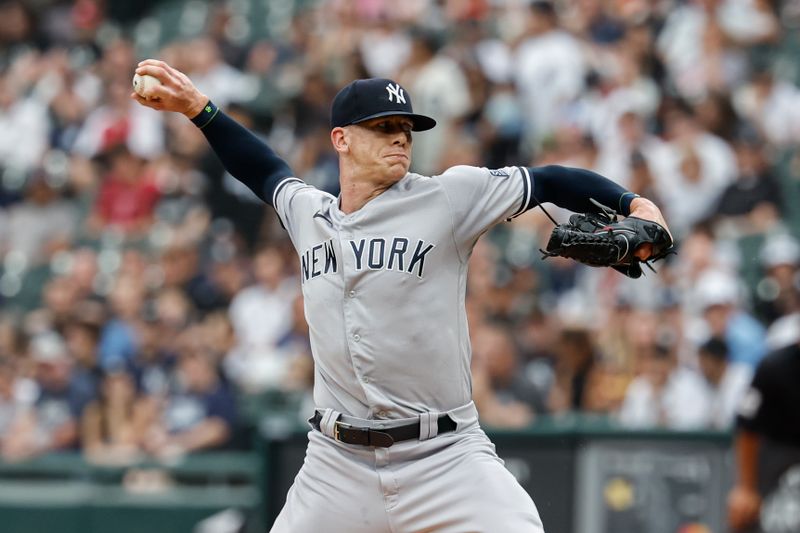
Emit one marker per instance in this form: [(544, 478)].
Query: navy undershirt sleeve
[(571, 188), (244, 155)]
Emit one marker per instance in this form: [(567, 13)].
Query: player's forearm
[(246, 157), (571, 188), (747, 446)]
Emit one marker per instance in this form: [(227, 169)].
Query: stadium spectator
[(12, 341), (23, 118), (81, 337), (127, 197), (16, 397), (692, 44), (211, 73), (770, 104), (295, 346), (42, 224), (155, 359), (110, 431), (502, 125), (727, 382), (227, 274), (261, 315), (549, 67), (754, 201), (694, 168), (665, 394), (198, 414), (58, 305), (577, 372), (700, 253), (215, 334), (119, 338), (83, 275), (53, 423), (501, 392), (776, 291), (724, 315)]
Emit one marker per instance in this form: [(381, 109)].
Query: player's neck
[(356, 193)]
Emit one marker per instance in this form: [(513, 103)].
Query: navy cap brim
[(421, 122)]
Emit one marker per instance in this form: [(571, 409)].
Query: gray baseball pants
[(453, 483)]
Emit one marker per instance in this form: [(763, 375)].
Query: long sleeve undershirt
[(571, 188), (256, 165), (245, 156)]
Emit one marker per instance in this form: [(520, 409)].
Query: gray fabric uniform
[(384, 291)]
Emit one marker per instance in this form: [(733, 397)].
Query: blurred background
[(155, 369)]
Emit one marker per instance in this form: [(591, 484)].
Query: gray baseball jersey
[(384, 292), (385, 286)]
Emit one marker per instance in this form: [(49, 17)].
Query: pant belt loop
[(326, 425), (465, 416), (428, 425)]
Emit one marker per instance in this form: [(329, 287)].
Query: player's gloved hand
[(600, 239), (647, 210), (176, 93)]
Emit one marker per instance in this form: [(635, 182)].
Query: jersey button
[(365, 379), (352, 294), (356, 337), (382, 414)]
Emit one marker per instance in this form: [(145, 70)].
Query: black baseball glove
[(600, 239)]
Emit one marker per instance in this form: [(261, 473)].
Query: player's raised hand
[(175, 93)]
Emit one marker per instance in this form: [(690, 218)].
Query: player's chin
[(398, 169)]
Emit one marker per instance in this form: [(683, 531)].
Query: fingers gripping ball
[(599, 239), (143, 85)]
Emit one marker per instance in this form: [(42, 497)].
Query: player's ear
[(339, 140)]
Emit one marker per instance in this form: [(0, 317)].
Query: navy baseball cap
[(372, 98)]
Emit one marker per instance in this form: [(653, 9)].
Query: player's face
[(383, 146)]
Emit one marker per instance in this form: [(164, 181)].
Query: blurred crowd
[(150, 303)]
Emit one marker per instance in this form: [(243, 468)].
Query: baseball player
[(395, 445)]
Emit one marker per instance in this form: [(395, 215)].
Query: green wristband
[(206, 115)]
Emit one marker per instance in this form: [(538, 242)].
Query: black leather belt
[(382, 438)]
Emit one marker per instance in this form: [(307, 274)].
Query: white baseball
[(143, 84)]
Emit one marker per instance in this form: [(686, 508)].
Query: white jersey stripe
[(526, 194), (280, 186)]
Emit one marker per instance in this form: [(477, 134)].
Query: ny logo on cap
[(395, 91)]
